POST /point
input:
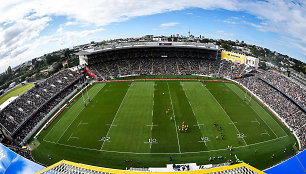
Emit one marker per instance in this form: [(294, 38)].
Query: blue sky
[(31, 28)]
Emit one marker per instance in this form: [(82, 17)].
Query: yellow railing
[(116, 171)]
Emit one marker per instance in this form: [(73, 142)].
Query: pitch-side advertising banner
[(234, 57)]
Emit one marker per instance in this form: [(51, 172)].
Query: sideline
[(139, 153), (49, 122)]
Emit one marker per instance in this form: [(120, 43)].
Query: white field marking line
[(258, 114), (152, 114), (109, 151), (233, 122), (261, 106), (70, 125), (81, 123), (115, 116), (178, 140), (111, 125), (192, 109), (152, 125), (104, 140), (265, 133), (72, 137), (187, 99), (227, 115), (198, 125), (255, 121), (264, 121), (61, 119), (76, 117), (203, 142), (77, 100), (151, 144), (84, 148)]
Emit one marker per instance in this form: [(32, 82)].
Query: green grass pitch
[(132, 121), (16, 92)]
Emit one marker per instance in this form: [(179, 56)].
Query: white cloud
[(45, 44), (169, 24), (224, 35), (13, 38), (21, 22), (101, 12), (229, 22), (287, 18)]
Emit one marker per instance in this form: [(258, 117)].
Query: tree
[(56, 67), (262, 65), (52, 58), (226, 46), (67, 53)]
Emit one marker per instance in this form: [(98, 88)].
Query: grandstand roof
[(128, 45)]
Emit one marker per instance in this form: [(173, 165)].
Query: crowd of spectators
[(22, 151), (166, 66), (284, 107), (31, 106), (38, 116), (285, 84)]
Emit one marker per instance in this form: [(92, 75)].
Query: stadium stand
[(20, 116), (284, 107), (285, 84), (166, 66)]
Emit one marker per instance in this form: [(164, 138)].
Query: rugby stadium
[(151, 107)]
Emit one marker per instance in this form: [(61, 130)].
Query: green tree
[(226, 46), (67, 53), (56, 67), (52, 58), (262, 65)]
